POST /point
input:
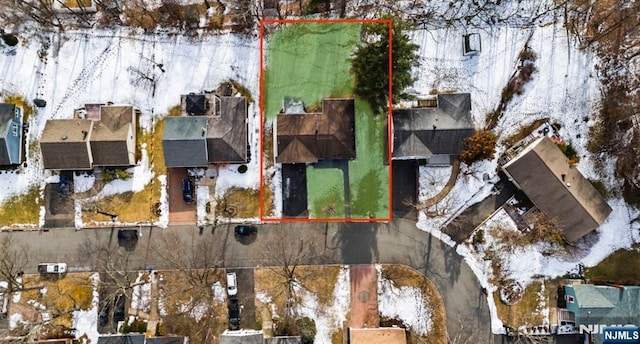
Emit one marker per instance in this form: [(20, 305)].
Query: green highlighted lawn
[(368, 175), (309, 61), (325, 188)]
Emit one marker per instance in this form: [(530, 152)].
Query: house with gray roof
[(589, 306), (557, 188), (197, 141), (103, 135), (10, 134), (434, 133)]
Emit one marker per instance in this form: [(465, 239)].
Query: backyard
[(359, 188)]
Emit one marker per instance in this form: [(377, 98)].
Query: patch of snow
[(163, 221), (83, 182), (15, 320), (266, 300), (52, 179), (17, 295), (202, 197), (77, 205), (141, 175), (141, 295), (404, 303), (327, 320), (276, 188), (196, 311), (86, 321), (431, 180), (219, 293), (41, 216)]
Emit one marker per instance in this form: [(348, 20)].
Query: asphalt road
[(399, 242)]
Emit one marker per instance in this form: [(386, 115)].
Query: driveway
[(180, 213)]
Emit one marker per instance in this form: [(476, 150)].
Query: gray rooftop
[(184, 141), (424, 132), (558, 189)]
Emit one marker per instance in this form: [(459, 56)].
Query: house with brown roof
[(557, 188), (103, 135), (65, 144), (310, 137), (434, 131), (198, 138), (113, 137)]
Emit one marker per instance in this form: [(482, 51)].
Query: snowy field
[(147, 71), (564, 88)]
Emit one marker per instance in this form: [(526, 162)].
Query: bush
[(138, 326), (599, 186), (9, 39), (478, 147), (570, 153), (307, 330), (111, 175)]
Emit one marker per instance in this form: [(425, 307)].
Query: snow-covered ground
[(123, 66), (86, 321), (564, 89)]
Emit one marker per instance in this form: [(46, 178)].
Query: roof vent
[(568, 185), (64, 137)]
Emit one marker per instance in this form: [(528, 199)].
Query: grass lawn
[(621, 268), (245, 201), (529, 310), (325, 189), (368, 176), (309, 61), (21, 209), (136, 206)]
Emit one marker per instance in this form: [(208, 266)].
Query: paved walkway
[(364, 296)]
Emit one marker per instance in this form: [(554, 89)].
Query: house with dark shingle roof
[(311, 137), (105, 137), (113, 137), (184, 141), (600, 305), (65, 144), (196, 141), (195, 104), (557, 188), (433, 133), (10, 134)]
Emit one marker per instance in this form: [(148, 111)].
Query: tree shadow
[(357, 242)]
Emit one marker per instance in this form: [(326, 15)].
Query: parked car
[(234, 315), (128, 234), (118, 310), (187, 191), (243, 230), (232, 285), (52, 268)]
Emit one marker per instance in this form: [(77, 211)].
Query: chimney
[(84, 135), (204, 131), (563, 176)]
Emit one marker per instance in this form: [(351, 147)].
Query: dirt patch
[(58, 297), (193, 303)]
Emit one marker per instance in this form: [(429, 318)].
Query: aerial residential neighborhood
[(319, 171)]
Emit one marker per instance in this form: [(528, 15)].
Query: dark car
[(243, 230), (118, 311), (187, 191), (234, 314), (128, 234)]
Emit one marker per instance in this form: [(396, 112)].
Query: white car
[(52, 268), (232, 286)]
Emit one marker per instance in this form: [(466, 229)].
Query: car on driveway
[(244, 230), (232, 285), (234, 314), (187, 190)]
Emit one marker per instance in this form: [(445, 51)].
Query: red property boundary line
[(389, 120)]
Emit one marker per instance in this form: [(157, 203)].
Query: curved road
[(398, 242)]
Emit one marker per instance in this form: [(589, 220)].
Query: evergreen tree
[(370, 63)]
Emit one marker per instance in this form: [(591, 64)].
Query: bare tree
[(283, 256)]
